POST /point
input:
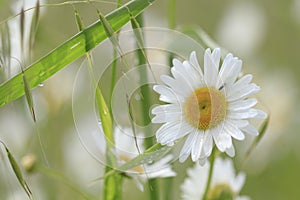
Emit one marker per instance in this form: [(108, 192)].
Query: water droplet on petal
[(150, 161)]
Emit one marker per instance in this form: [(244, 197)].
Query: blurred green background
[(264, 33)]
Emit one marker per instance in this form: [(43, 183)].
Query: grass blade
[(112, 184), (5, 48), (79, 22), (28, 96), (137, 23), (34, 27), (18, 172), (22, 31), (262, 131), (152, 154), (69, 51)]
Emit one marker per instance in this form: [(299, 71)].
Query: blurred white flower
[(224, 182), (127, 148), (283, 118), (295, 10), (213, 105), (242, 28)]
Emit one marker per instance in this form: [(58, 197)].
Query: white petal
[(182, 76), (226, 68), (172, 132), (241, 93), (208, 143), (216, 135), (238, 182), (180, 88), (164, 129), (234, 131), (188, 73), (166, 113), (195, 64), (167, 94), (164, 117), (197, 147), (161, 168), (241, 83), (229, 71), (230, 151), (236, 70), (216, 57), (196, 79), (238, 122), (250, 130), (251, 113), (222, 139), (242, 104), (187, 147), (210, 69), (261, 114), (166, 108)]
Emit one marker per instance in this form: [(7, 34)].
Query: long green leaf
[(69, 51)]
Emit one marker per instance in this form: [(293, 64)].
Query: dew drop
[(41, 84), (137, 97), (150, 161)]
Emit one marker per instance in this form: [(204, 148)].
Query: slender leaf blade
[(28, 96), (152, 154), (262, 131), (18, 172)]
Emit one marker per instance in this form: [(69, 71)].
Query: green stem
[(172, 14), (168, 183), (114, 64), (112, 184), (138, 22), (212, 161), (113, 77)]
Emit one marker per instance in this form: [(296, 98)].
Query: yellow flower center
[(205, 108), (221, 192)]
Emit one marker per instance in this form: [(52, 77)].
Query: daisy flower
[(208, 106), (126, 149), (224, 183)]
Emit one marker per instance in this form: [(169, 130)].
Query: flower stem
[(172, 14), (212, 161)]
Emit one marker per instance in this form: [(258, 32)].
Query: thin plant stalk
[(112, 186), (172, 14), (114, 64), (211, 168), (168, 182), (137, 23)]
